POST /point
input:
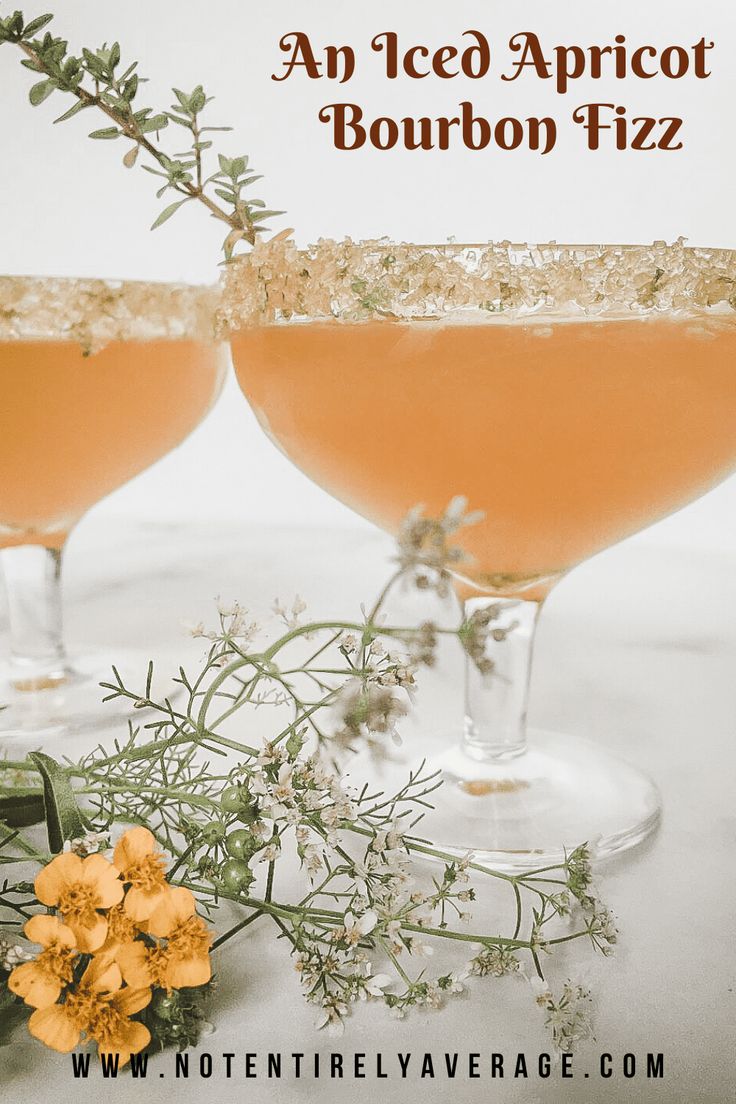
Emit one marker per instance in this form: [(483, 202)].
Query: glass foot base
[(520, 813), (38, 718)]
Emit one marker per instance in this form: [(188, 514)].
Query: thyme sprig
[(98, 78), (375, 900)]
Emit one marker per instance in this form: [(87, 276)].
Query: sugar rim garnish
[(96, 312), (349, 281)]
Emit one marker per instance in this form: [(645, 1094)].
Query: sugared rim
[(352, 281), (95, 312)]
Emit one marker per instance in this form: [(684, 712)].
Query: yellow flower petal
[(47, 930), (133, 962), (105, 878), (54, 1027), (175, 907), (141, 903), (130, 1000), (102, 976), (188, 972), (34, 985), (62, 871), (89, 938), (132, 847), (134, 1037)]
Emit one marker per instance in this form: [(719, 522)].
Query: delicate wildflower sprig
[(99, 79), (377, 905), (567, 1016), (424, 545)]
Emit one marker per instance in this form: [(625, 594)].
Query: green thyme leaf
[(168, 212), (36, 25), (41, 91), (73, 110), (107, 133)]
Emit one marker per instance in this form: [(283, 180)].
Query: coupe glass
[(575, 394), (98, 380)]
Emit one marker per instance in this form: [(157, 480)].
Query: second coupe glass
[(574, 394)]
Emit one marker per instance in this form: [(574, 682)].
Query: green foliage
[(99, 80), (63, 819), (20, 806), (13, 1012), (176, 1018)]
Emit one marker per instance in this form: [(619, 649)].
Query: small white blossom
[(457, 977), (356, 927), (418, 949), (89, 844), (290, 617), (541, 990), (312, 859), (375, 985), (270, 852), (12, 954), (272, 753), (283, 790)]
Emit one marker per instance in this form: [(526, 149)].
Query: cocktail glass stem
[(497, 688), (516, 806), (33, 581)]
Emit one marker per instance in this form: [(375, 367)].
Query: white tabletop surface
[(637, 649)]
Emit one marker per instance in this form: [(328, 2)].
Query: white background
[(69, 207)]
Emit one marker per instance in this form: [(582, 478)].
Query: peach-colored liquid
[(73, 428), (569, 435)]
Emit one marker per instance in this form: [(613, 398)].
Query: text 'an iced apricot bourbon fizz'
[(575, 395)]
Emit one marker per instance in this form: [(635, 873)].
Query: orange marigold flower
[(121, 929), (142, 965), (184, 961), (98, 1008), (78, 888), (40, 982), (144, 868)]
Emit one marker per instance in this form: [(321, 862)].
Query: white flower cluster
[(424, 548), (480, 629), (235, 628), (12, 954), (89, 844), (369, 705), (600, 921), (494, 961), (290, 617), (340, 973), (366, 708), (299, 794), (382, 880), (568, 1016)]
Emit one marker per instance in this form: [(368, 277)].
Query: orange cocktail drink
[(570, 435), (97, 382)]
